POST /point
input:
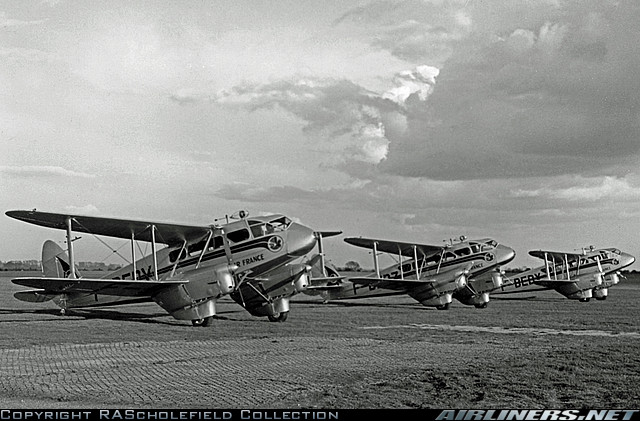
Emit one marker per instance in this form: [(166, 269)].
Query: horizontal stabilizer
[(117, 287), (38, 296)]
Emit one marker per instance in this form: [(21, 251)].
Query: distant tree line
[(30, 265)]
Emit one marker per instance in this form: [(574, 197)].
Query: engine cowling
[(461, 280), (438, 301), (601, 293), (599, 278), (497, 279), (225, 278), (613, 279), (302, 282)]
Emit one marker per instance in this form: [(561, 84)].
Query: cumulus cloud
[(420, 81)]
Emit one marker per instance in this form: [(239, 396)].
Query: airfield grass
[(540, 351)]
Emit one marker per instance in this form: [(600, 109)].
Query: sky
[(417, 121)]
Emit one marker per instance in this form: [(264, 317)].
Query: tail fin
[(55, 261)]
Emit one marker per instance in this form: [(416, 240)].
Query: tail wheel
[(279, 317), (443, 307), (483, 305)]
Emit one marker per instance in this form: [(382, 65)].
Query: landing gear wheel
[(483, 305), (279, 317), (602, 298), (443, 307), (202, 322)]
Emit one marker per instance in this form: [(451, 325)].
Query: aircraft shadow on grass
[(101, 314)]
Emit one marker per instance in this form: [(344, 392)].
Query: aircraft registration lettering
[(526, 280)]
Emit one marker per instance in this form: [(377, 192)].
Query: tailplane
[(55, 261)]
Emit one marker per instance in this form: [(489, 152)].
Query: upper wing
[(394, 247), (123, 288), (552, 256), (171, 234)]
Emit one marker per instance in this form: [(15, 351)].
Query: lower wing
[(117, 287)]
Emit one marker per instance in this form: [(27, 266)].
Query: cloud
[(82, 210), (6, 22), (589, 190), (420, 81), (416, 31), (42, 171)]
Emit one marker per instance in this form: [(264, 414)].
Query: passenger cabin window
[(449, 256), (432, 260), (239, 235), (475, 248), (463, 252), (258, 228)]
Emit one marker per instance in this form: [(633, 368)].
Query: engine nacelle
[(613, 279), (598, 278), (461, 281), (584, 295), (601, 293), (441, 300), (497, 279), (225, 278), (276, 307), (302, 282)]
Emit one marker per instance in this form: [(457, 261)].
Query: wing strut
[(400, 259), (184, 246), (133, 255), (153, 251), (204, 250), (321, 253), (566, 262), (375, 259), (72, 266), (415, 261)]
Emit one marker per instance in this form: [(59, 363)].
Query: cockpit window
[(616, 251), (280, 224), (489, 245), (475, 247)]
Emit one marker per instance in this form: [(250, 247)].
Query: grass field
[(535, 352)]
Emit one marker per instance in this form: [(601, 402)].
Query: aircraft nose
[(626, 259), (300, 240), (505, 254)]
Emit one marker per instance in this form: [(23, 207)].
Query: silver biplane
[(429, 274), (252, 259), (577, 276)]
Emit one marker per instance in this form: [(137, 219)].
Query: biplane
[(577, 276), (429, 274), (251, 259)]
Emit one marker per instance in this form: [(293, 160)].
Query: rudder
[(55, 261)]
